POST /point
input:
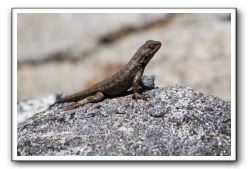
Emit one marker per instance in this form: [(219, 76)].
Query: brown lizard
[(118, 84)]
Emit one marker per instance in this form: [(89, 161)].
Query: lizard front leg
[(91, 99), (136, 80)]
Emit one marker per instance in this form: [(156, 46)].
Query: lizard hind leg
[(91, 99)]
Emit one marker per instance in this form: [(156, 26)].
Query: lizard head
[(152, 47), (146, 52)]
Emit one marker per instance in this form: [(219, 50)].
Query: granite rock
[(175, 121)]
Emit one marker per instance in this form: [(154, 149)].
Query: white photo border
[(15, 11)]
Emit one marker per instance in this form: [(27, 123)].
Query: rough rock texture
[(175, 121)]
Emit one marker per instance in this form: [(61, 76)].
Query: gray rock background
[(175, 121), (69, 52)]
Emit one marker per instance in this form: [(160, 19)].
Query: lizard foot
[(140, 96)]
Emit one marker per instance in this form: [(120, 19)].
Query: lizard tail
[(75, 97)]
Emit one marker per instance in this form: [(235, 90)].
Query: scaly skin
[(120, 82)]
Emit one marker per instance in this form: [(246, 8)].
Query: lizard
[(118, 84)]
